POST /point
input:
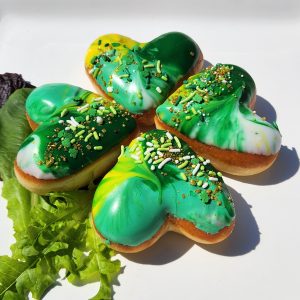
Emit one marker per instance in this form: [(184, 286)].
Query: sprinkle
[(164, 162), (122, 149), (140, 138), (194, 110), (199, 183), (87, 118), (176, 161), (67, 128), (96, 136), (73, 128), (219, 174), (124, 76), (73, 141), (113, 110), (158, 89), (184, 164), (183, 176), (60, 121), (192, 53), (165, 78), (81, 132), (160, 154), (148, 150), (187, 157), (149, 66), (200, 174), (168, 134), (158, 67), (166, 145), (177, 142), (88, 137), (150, 161), (110, 89), (206, 162), (98, 148), (149, 144), (205, 185), (188, 117), (74, 121), (99, 120), (83, 107), (202, 168), (158, 161), (64, 112), (174, 150), (196, 170), (201, 158), (152, 168), (213, 178), (135, 157), (147, 156), (162, 139), (81, 126), (188, 98), (138, 162)]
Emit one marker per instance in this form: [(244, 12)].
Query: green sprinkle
[(64, 112), (139, 94), (73, 152), (149, 66), (113, 110), (188, 117), (200, 174), (115, 44), (88, 137), (138, 162), (177, 142), (98, 148), (144, 61), (124, 76), (147, 156), (153, 154), (188, 98), (84, 110), (201, 158), (166, 145), (158, 67), (96, 136), (73, 141), (99, 42), (194, 111), (80, 133), (202, 168), (199, 183), (164, 78), (183, 176), (122, 149), (158, 161), (178, 100), (73, 128), (87, 118), (183, 165), (219, 174), (162, 139)]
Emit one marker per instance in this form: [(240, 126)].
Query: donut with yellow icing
[(160, 185), (140, 76), (77, 138), (212, 112)]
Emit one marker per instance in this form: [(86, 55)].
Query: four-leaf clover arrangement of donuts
[(153, 181)]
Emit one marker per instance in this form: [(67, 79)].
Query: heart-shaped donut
[(140, 76), (77, 140), (160, 185), (212, 112)]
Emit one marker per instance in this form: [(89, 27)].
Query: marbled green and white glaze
[(74, 135), (140, 76), (134, 199), (212, 107)]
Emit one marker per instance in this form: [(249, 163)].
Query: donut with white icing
[(212, 112), (140, 76), (77, 138), (160, 185)]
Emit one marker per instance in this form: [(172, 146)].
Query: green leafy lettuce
[(52, 232)]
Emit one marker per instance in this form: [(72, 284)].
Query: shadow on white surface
[(172, 246), (245, 236)]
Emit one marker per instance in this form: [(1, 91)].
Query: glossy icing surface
[(74, 135), (156, 176), (213, 108), (141, 75)]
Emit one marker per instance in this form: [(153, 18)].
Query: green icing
[(74, 136), (141, 77), (133, 201), (46, 100), (213, 107)]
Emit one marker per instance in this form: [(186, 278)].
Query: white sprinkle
[(158, 89), (83, 107), (101, 108), (254, 111), (71, 123), (168, 134), (140, 138), (67, 128), (150, 161), (110, 89), (176, 161), (159, 153), (192, 53), (135, 157), (60, 121), (74, 121), (91, 71), (149, 144), (205, 185), (152, 168), (195, 171), (164, 162), (99, 120), (148, 150), (206, 162), (187, 157), (155, 157), (193, 156), (213, 178), (174, 150)]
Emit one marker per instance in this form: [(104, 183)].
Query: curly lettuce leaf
[(53, 232), (13, 130)]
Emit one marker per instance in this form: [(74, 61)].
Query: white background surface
[(46, 42)]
